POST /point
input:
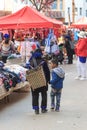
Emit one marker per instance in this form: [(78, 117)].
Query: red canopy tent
[(81, 23), (27, 18)]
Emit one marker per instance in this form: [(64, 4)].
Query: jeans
[(57, 94)]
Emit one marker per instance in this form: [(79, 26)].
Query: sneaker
[(36, 112), (44, 110), (83, 78), (78, 77), (57, 110)]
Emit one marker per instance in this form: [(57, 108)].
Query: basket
[(2, 91), (36, 77)]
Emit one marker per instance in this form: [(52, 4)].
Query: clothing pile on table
[(11, 75)]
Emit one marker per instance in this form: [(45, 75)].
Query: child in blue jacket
[(58, 75)]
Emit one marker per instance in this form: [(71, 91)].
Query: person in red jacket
[(81, 52)]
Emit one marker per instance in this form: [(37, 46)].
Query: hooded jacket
[(58, 75)]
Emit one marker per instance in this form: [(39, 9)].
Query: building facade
[(80, 9), (62, 9), (11, 6), (5, 7)]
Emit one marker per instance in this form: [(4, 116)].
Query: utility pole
[(69, 19), (4, 7), (73, 11)]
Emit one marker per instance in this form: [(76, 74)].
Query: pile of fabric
[(11, 75)]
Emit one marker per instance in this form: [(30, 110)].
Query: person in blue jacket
[(56, 82), (35, 60)]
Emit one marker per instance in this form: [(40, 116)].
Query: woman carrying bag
[(35, 60)]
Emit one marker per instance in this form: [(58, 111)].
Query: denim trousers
[(57, 94)]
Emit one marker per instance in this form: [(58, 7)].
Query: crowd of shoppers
[(56, 50)]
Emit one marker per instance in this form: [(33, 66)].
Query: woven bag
[(36, 77)]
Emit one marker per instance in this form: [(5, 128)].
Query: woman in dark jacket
[(35, 60), (69, 50)]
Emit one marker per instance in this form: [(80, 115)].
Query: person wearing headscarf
[(35, 60), (7, 48)]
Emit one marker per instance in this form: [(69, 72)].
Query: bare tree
[(42, 4)]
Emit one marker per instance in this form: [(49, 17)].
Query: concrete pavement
[(18, 114)]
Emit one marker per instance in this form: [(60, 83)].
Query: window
[(61, 4), (54, 5), (80, 11), (76, 11), (86, 13)]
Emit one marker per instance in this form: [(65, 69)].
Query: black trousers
[(35, 99), (4, 58), (70, 58)]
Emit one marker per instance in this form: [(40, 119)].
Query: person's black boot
[(44, 110), (37, 112)]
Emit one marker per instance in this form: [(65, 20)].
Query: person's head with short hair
[(54, 63)]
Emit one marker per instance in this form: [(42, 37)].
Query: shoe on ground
[(36, 112), (78, 77), (83, 79), (52, 108), (57, 110), (44, 110)]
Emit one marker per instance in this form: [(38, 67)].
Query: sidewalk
[(18, 114)]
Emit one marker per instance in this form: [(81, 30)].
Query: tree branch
[(43, 3)]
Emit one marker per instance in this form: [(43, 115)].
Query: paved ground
[(18, 114)]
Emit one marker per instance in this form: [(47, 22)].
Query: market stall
[(81, 23), (28, 18)]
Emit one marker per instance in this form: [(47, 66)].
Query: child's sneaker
[(83, 78), (57, 110), (77, 78)]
